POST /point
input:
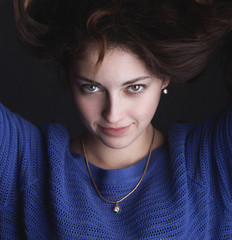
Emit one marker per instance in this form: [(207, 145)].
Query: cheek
[(83, 107), (88, 111), (147, 107)]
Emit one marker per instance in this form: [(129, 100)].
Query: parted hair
[(174, 38)]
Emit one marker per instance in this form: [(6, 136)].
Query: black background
[(29, 89)]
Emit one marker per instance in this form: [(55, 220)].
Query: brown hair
[(174, 38)]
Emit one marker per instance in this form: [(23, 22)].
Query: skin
[(116, 103)]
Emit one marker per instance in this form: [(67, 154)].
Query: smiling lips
[(115, 131)]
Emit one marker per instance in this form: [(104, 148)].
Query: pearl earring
[(165, 91)]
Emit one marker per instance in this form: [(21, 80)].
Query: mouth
[(115, 131)]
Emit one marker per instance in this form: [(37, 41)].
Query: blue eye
[(90, 88), (135, 88)]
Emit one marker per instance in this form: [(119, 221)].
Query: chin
[(116, 143)]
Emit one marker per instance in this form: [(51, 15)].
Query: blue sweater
[(46, 191)]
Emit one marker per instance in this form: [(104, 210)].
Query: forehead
[(117, 61)]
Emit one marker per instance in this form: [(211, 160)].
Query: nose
[(113, 109)]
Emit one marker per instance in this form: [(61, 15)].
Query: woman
[(119, 57)]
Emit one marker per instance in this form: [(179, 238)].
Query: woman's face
[(117, 101)]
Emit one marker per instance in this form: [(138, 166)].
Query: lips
[(115, 131)]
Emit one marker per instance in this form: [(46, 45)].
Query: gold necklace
[(116, 208)]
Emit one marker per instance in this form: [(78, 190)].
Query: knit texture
[(46, 191)]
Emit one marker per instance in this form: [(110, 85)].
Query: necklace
[(116, 208)]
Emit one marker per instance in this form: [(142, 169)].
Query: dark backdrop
[(28, 88)]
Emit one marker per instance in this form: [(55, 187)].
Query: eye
[(135, 88), (90, 88)]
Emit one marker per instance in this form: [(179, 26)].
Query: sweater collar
[(128, 175)]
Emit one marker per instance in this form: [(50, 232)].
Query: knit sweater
[(46, 191)]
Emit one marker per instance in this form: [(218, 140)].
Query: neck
[(102, 156)]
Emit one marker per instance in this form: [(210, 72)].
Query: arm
[(209, 149), (20, 147)]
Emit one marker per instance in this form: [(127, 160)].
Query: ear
[(26, 3), (165, 83)]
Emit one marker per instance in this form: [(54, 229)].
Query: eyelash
[(85, 89)]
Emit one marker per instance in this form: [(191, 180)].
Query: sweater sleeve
[(21, 150), (208, 151)]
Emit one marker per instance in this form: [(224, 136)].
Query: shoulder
[(208, 131), (55, 135), (204, 151)]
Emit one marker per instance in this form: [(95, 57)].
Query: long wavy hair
[(174, 38)]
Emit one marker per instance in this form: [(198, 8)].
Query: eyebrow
[(125, 83)]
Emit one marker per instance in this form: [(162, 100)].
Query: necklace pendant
[(116, 208)]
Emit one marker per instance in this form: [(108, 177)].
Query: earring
[(165, 91)]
